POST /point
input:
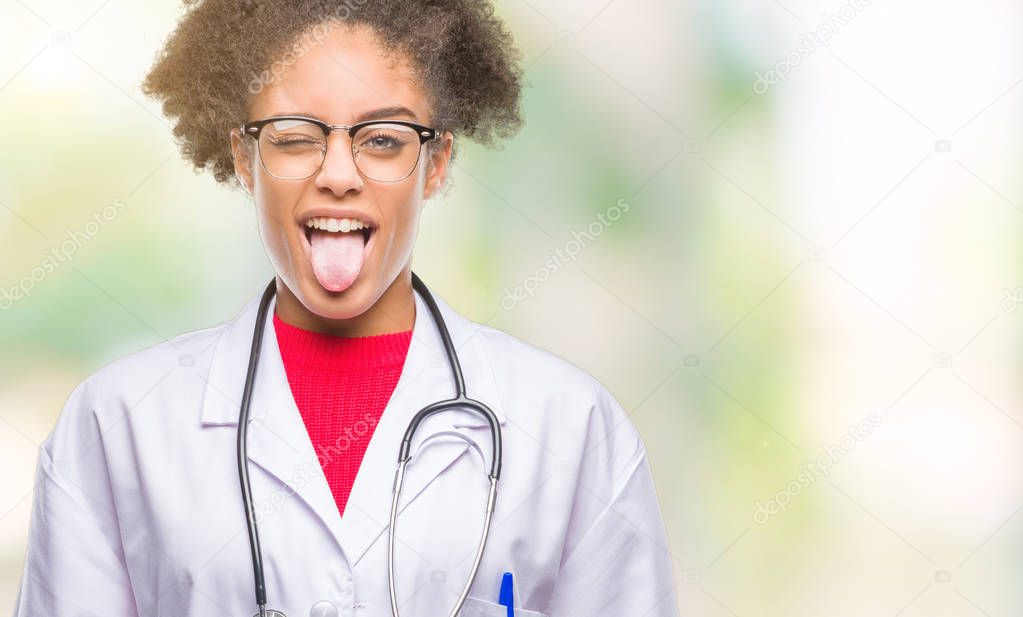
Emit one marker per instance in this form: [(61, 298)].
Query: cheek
[(403, 207), (274, 214)]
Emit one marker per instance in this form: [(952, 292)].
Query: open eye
[(382, 139), (386, 139)]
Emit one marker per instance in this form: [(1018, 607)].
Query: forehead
[(336, 75)]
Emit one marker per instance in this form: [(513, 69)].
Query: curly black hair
[(223, 51)]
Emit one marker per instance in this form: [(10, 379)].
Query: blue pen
[(507, 595)]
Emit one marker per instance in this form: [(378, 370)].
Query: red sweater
[(340, 386)]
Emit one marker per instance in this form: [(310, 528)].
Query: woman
[(138, 509)]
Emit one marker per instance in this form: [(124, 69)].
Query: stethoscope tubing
[(460, 400), (243, 431)]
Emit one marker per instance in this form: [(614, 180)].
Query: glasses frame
[(255, 128)]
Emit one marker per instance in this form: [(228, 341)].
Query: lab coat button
[(323, 609)]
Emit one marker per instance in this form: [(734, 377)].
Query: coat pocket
[(478, 607)]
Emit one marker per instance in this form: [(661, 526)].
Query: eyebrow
[(373, 114)]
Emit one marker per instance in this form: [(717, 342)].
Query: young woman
[(340, 119)]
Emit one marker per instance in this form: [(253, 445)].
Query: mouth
[(337, 248), (338, 225)]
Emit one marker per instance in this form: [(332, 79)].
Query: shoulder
[(132, 382), (515, 362), (138, 372), (569, 398)]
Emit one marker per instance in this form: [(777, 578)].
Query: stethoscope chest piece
[(269, 613)]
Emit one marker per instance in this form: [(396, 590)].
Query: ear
[(437, 168), (241, 152)]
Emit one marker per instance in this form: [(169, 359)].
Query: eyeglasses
[(294, 147)]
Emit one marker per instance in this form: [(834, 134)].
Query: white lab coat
[(137, 509)]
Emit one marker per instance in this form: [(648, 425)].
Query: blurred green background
[(802, 259)]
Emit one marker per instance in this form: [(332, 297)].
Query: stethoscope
[(460, 400)]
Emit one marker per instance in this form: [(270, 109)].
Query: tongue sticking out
[(337, 257)]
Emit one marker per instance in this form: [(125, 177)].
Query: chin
[(355, 300)]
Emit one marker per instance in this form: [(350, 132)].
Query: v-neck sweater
[(341, 386)]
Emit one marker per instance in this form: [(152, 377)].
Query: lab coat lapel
[(277, 441), (425, 379)]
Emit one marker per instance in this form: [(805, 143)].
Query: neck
[(394, 311)]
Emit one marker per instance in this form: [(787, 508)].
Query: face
[(340, 82)]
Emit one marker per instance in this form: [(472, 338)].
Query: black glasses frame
[(425, 133)]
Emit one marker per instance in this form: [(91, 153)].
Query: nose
[(338, 173)]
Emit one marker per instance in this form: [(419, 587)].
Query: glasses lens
[(292, 149), (386, 152)]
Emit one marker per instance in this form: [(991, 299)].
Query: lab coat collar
[(278, 441)]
